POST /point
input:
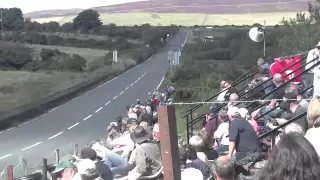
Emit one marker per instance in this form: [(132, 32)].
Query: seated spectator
[(211, 124), (234, 98), (296, 109), (222, 134), (313, 116), (225, 95), (242, 136), (207, 149), (189, 159), (144, 116), (292, 158), (294, 88), (111, 158), (223, 169), (198, 144), (147, 156), (66, 170), (131, 112), (223, 89), (87, 170), (244, 113), (102, 169), (146, 126), (278, 81)]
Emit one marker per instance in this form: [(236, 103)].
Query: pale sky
[(36, 5)]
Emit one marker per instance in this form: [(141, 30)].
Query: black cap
[(88, 153)]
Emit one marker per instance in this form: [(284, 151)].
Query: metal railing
[(191, 121)]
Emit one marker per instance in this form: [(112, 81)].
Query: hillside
[(189, 6)]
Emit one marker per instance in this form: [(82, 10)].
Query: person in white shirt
[(222, 133), (310, 75)]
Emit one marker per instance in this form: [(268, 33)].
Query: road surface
[(86, 117)]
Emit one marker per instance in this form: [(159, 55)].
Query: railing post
[(57, 155), (44, 168), (191, 125), (187, 128)]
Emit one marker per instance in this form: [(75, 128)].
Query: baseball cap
[(88, 153), (86, 166), (63, 165), (233, 111)]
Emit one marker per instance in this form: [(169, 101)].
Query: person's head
[(87, 169), (88, 153), (278, 79), (223, 168), (223, 115), (234, 98), (313, 114), (139, 135), (191, 152), (223, 84), (292, 158), (233, 113), (318, 46), (197, 142), (294, 128), (261, 62), (65, 170)]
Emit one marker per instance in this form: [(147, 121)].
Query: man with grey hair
[(223, 169)]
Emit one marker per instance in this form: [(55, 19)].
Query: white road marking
[(135, 81), (139, 78), (5, 156), (160, 83), (10, 129), (87, 117), (127, 88), (76, 124), (107, 103), (33, 145), (99, 109), (55, 135), (131, 84), (145, 73), (121, 92), (115, 97)]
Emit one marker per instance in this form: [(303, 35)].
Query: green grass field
[(184, 19), (19, 87)]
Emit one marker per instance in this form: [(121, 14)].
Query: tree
[(87, 20), (12, 19)]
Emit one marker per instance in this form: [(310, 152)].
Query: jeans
[(113, 159), (308, 81), (222, 150)]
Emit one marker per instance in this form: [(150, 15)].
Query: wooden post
[(44, 168), (57, 153), (9, 172), (169, 143)]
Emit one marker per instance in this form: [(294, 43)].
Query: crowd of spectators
[(226, 148)]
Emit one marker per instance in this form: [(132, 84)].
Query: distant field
[(188, 19), (18, 87)]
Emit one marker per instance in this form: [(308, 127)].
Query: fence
[(31, 171)]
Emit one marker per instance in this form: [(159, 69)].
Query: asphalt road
[(86, 117)]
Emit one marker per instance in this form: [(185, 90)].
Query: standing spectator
[(147, 156), (242, 136), (211, 124)]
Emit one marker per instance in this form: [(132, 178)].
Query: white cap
[(243, 112), (85, 166), (233, 111)]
